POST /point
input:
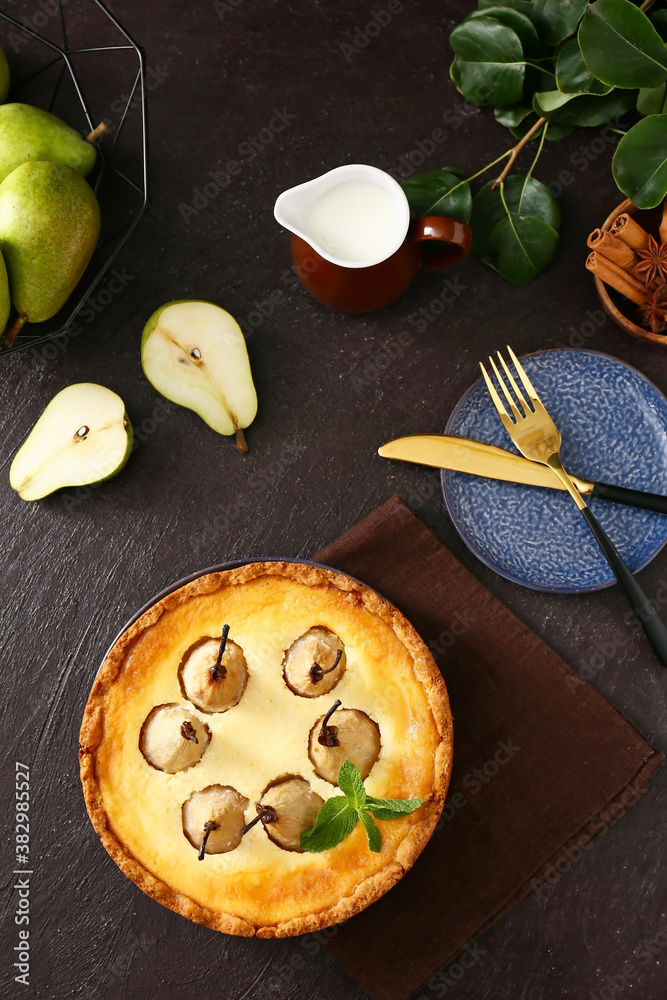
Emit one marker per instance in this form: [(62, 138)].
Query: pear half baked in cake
[(216, 729)]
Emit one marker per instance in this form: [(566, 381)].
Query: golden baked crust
[(259, 889)]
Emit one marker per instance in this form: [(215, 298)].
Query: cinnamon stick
[(625, 227), (663, 223), (609, 272), (613, 249)]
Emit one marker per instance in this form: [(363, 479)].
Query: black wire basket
[(73, 58)]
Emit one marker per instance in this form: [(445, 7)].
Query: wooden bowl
[(613, 306)]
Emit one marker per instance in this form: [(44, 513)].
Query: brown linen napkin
[(542, 763)]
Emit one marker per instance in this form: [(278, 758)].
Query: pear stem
[(11, 335), (241, 443), (514, 152), (267, 814), (217, 670), (329, 734), (188, 732), (208, 826), (317, 673), (98, 132)]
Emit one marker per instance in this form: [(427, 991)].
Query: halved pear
[(215, 815), (356, 737), (295, 806), (83, 436), (314, 663), (195, 354), (208, 689), (173, 739)]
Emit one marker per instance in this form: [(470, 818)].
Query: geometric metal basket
[(73, 58)]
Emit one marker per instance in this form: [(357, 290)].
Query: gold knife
[(477, 459)]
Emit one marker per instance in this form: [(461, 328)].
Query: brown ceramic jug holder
[(432, 243)]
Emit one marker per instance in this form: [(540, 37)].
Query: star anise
[(653, 262), (654, 310)]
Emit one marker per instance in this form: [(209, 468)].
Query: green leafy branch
[(547, 67), (514, 219), (340, 814)]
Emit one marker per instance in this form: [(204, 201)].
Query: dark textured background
[(75, 568)]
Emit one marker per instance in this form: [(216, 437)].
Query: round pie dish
[(147, 799)]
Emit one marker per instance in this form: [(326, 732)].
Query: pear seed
[(82, 431)]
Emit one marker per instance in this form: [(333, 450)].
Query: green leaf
[(522, 25), (432, 194), (455, 73), (583, 109), (523, 195), (512, 115), (490, 65), (550, 100), (519, 236), (523, 6), (335, 821), (651, 100), (528, 196), (558, 131), (339, 815), (572, 73), (372, 832), (658, 19), (554, 132), (487, 211), (621, 47), (556, 19), (640, 162), (351, 784), (392, 808), (525, 245)]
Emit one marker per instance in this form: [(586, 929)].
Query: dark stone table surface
[(75, 568)]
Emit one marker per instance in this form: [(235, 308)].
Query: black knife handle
[(636, 498), (652, 624)]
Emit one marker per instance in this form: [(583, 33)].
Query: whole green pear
[(49, 227), (4, 76), (30, 134), (5, 300)]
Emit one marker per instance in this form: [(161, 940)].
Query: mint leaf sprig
[(340, 814)]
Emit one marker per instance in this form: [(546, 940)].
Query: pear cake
[(206, 748)]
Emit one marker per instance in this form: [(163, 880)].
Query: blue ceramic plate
[(613, 424)]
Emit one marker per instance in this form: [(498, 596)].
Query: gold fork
[(536, 436)]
